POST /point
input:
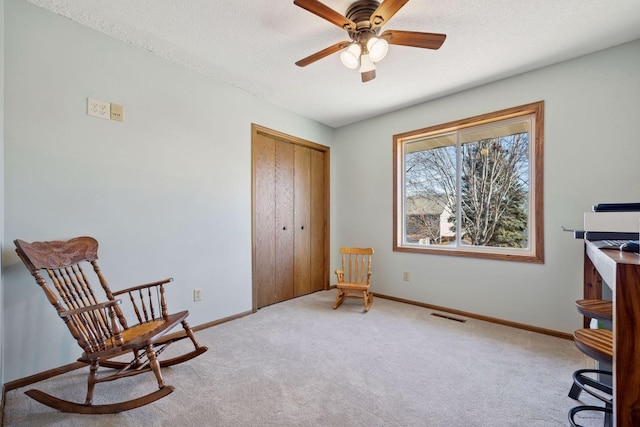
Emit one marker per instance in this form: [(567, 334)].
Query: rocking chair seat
[(139, 335), (353, 286)]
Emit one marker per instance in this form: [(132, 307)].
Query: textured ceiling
[(254, 44)]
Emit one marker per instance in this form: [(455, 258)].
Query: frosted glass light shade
[(350, 57), (377, 48), (366, 64)]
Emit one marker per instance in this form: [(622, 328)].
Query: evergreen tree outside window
[(472, 187)]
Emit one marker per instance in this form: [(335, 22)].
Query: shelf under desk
[(621, 272)]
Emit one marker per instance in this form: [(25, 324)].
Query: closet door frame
[(260, 130)]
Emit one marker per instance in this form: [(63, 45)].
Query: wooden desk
[(621, 272)]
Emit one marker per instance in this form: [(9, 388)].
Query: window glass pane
[(494, 187), (430, 191)]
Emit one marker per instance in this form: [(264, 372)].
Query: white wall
[(166, 193), (591, 155)]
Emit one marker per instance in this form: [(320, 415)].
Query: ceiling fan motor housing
[(360, 12)]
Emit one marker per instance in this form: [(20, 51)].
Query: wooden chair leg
[(155, 365), (189, 333), (91, 381), (368, 300), (339, 298)]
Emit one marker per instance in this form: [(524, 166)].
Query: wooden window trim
[(536, 109)]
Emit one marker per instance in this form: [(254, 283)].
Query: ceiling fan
[(363, 21)]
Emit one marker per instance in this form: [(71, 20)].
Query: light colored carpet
[(301, 363)]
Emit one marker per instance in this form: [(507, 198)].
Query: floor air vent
[(448, 317)]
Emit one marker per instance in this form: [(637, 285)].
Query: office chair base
[(581, 382), (608, 412)]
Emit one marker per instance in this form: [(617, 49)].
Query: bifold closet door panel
[(318, 272), (290, 217), (302, 237), (284, 220), (264, 161)]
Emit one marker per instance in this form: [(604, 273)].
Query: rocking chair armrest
[(146, 285), (70, 313)]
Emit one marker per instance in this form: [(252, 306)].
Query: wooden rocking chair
[(100, 328), (355, 276)]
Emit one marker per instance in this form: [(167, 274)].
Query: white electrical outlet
[(97, 108), (405, 276), (197, 295)]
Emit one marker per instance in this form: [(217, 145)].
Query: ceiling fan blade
[(368, 75), (414, 38), (385, 11), (324, 52), (327, 13)]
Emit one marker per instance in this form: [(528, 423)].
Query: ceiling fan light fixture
[(366, 64), (377, 48), (350, 57), (362, 22)]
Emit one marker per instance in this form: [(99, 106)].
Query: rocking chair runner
[(100, 328), (355, 276)]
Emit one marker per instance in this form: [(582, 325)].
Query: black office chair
[(598, 344)]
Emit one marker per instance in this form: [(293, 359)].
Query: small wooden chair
[(100, 328), (355, 276)]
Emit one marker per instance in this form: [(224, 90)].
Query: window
[(472, 187)]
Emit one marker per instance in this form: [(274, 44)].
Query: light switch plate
[(117, 112), (97, 108)]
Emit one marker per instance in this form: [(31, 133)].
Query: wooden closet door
[(284, 221), (290, 216), (318, 271), (264, 162), (302, 200)]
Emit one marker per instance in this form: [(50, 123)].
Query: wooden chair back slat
[(76, 292), (143, 305), (149, 305), (72, 286), (97, 327), (92, 337), (356, 264), (136, 310), (62, 262), (107, 291), (146, 305)]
